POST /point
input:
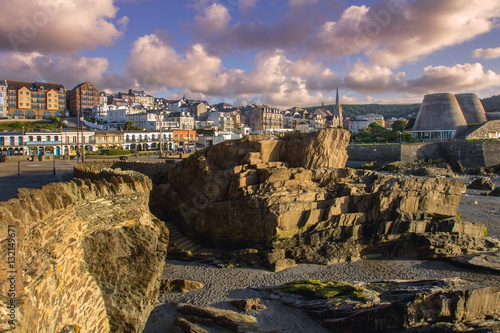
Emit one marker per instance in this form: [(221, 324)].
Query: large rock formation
[(88, 255), (293, 199)]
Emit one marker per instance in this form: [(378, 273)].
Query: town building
[(180, 120), (362, 122), (38, 100), (82, 98), (140, 97), (263, 119), (3, 100), (46, 143), (109, 140), (446, 116)]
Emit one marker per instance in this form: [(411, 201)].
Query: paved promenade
[(32, 174)]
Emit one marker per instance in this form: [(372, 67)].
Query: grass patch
[(325, 290)]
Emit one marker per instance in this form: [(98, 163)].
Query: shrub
[(118, 152)]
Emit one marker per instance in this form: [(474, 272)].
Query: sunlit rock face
[(88, 254), (294, 199)]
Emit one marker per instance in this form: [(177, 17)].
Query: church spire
[(338, 111)]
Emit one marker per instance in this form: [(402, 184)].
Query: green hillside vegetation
[(491, 104), (386, 110)]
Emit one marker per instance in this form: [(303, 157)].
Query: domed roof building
[(445, 116)]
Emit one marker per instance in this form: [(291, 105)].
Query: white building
[(148, 140), (362, 122)]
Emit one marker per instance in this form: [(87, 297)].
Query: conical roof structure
[(440, 112), (472, 108)]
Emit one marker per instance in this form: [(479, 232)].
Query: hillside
[(387, 110), (491, 104)]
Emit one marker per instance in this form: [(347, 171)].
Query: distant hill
[(387, 110), (491, 104)]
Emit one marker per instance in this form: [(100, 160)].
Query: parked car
[(124, 158)]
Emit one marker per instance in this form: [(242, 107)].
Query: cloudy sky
[(277, 52)]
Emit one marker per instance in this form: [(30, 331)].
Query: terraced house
[(38, 100)]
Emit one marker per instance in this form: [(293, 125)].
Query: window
[(21, 104), (20, 98), (50, 95), (20, 93)]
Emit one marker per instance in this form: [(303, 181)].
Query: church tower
[(338, 118)]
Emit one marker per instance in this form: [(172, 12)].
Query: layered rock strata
[(450, 305), (293, 199), (88, 255)]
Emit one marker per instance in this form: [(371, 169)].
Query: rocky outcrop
[(250, 194), (226, 319), (488, 260), (393, 305), (88, 255), (482, 183)]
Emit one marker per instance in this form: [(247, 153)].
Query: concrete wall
[(470, 154), (368, 153)]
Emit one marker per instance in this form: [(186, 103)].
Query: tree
[(399, 125), (129, 125)]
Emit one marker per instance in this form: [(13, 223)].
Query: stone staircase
[(178, 242)]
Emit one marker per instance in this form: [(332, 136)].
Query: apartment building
[(38, 100), (83, 98), (3, 99), (263, 119)]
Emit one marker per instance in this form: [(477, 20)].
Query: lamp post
[(78, 135)]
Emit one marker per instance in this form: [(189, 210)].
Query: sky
[(281, 53)]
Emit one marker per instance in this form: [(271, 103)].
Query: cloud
[(215, 19), (491, 53), (458, 78), (389, 32), (245, 5), (58, 26), (155, 64), (57, 69), (373, 79), (275, 79)]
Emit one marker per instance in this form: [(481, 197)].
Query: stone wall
[(470, 154), (88, 255), (483, 132), (379, 153)]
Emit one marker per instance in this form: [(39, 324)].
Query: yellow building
[(38, 100)]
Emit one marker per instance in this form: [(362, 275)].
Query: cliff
[(88, 255), (293, 200)]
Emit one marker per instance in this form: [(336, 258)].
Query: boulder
[(88, 254), (228, 319), (482, 183), (181, 285), (495, 192), (248, 305)]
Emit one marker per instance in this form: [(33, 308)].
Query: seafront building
[(37, 100)]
